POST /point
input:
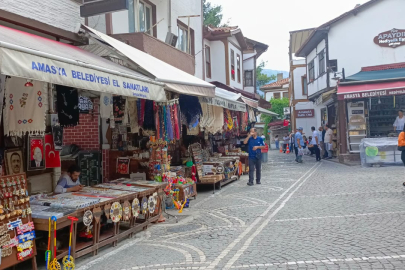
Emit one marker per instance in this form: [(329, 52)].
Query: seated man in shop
[(69, 182)]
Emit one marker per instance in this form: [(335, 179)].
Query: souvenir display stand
[(17, 234), (186, 191)]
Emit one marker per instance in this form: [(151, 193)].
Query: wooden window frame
[(311, 71), (238, 67), (180, 24), (304, 83), (284, 94), (277, 95), (251, 79), (233, 65), (322, 63), (207, 61)]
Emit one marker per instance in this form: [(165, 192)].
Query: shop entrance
[(382, 115)]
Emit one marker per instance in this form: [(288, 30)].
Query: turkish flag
[(52, 157), (286, 123)]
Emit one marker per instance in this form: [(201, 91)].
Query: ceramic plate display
[(144, 205), (116, 212), (87, 219), (151, 204), (136, 207), (126, 210)]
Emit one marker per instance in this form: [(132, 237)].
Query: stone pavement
[(304, 216)]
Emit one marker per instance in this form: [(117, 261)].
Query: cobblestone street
[(304, 216)]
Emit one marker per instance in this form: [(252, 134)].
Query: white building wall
[(270, 95), (218, 70), (297, 75), (319, 83), (351, 40), (307, 123), (235, 83), (63, 14)]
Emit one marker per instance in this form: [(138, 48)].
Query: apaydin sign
[(392, 39)]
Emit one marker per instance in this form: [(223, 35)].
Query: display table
[(186, 191), (380, 151)]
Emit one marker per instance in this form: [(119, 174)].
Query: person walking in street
[(255, 146), (277, 142), (286, 141), (299, 144), (321, 142), (328, 142), (401, 146), (399, 123), (292, 141), (315, 143)]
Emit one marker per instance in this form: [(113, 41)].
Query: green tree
[(262, 78), (212, 14), (277, 106)]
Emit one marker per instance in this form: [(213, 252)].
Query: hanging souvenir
[(133, 115), (228, 119), (116, 212), (27, 227), (97, 212), (5, 252), (144, 205), (57, 132), (107, 210), (118, 109), (126, 210), (68, 106), (106, 105), (88, 219), (136, 208), (191, 107), (85, 104), (24, 109)]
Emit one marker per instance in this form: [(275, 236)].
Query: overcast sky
[(270, 21)]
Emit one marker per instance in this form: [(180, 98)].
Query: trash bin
[(265, 154)]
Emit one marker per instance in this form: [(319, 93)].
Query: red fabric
[(52, 158)]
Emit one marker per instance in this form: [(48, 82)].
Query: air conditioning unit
[(171, 39)]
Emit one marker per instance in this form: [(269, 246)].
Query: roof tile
[(278, 83)]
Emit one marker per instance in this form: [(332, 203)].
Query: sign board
[(104, 6), (391, 39), (89, 162), (286, 110), (228, 104), (305, 113), (369, 94)]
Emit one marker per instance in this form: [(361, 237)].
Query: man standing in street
[(299, 144), (328, 142), (322, 145), (315, 143), (286, 142), (255, 146)]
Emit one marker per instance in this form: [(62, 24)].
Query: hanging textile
[(157, 120), (218, 122), (68, 106), (149, 120), (244, 121), (25, 107), (2, 90), (52, 158), (177, 128), (252, 116), (208, 116), (106, 106), (133, 115), (190, 106), (228, 119), (85, 104), (125, 119), (118, 109), (141, 111), (169, 124)]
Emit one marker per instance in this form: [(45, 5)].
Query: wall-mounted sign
[(391, 39), (369, 94), (92, 8), (305, 113)]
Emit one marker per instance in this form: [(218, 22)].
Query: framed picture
[(14, 161), (123, 165), (36, 156)]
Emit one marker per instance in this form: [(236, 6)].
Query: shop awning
[(367, 89), (33, 57), (225, 99), (176, 80), (266, 112), (378, 75), (252, 103)]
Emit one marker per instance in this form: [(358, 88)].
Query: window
[(144, 16), (208, 62), (311, 71), (238, 66), (304, 85), (321, 58), (276, 95), (249, 78), (285, 94), (182, 33), (232, 65)]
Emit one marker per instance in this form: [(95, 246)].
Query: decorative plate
[(136, 208), (126, 209), (116, 212), (220, 169), (87, 218), (144, 205), (151, 204)]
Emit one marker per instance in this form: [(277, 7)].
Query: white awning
[(33, 57), (252, 103), (266, 112), (225, 99), (175, 79)]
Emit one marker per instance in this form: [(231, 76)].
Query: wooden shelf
[(106, 234), (83, 245)]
